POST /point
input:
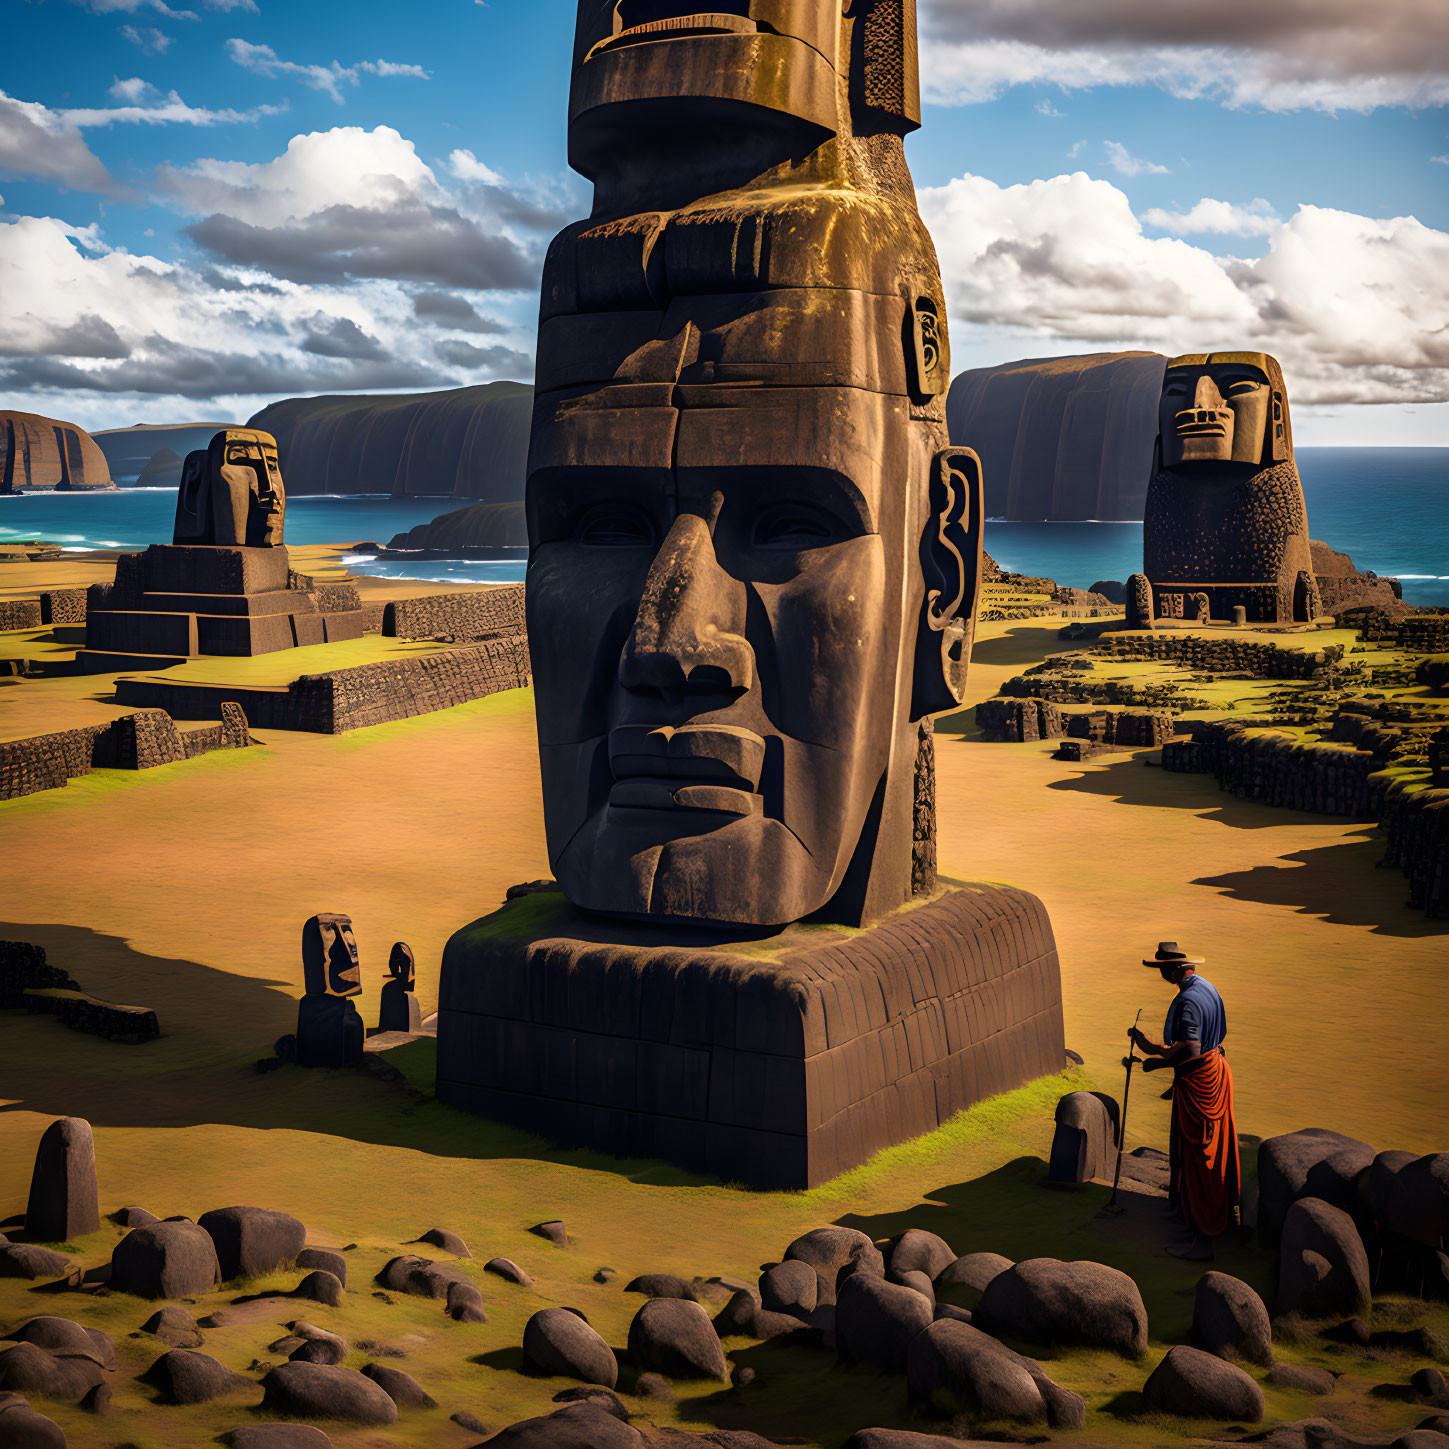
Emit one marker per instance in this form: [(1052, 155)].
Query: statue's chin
[(749, 871)]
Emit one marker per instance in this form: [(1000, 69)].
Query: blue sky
[(212, 203)]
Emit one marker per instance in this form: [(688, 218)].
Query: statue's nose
[(688, 633), (1207, 394)]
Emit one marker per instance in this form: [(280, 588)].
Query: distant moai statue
[(329, 1030), (63, 1200), (231, 493), (1225, 515), (400, 1010)]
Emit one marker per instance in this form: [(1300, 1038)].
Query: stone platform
[(181, 601), (777, 1062)]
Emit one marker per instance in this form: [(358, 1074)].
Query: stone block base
[(777, 1062)]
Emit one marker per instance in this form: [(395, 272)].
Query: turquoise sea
[(1387, 507)]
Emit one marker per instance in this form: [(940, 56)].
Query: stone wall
[(20, 614), (1018, 720), (1433, 672), (1079, 689), (28, 980), (1218, 655), (480, 614), (63, 606), (23, 968), (1417, 825), (1423, 632)]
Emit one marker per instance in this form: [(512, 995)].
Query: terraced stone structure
[(1225, 517), (755, 560), (225, 584)]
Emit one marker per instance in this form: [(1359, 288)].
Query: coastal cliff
[(41, 452)]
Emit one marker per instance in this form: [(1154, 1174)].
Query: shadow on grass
[(1339, 883), (1025, 644)]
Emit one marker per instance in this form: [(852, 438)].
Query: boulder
[(317, 1350), (917, 1282), (553, 1231), (1409, 1196), (575, 1426), (320, 1391), (449, 1242), (26, 1369), (508, 1270), (743, 1317), (1230, 1320), (403, 1389), (175, 1327), (907, 1439), (1191, 1384), (1084, 1145), (321, 1287), (63, 1200), (917, 1251), (955, 1369), (465, 1303), (1312, 1163), (422, 1277), (25, 1260), (660, 1285), (970, 1275), (1046, 1301), (310, 1333), (1323, 1270), (68, 1339), (790, 1287), (185, 1377), (165, 1260), (326, 1260), (252, 1241), (875, 1321), (835, 1253), (674, 1337), (278, 1436), (1302, 1379), (22, 1428), (557, 1343), (133, 1217)]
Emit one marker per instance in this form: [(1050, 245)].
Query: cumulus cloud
[(330, 78), (42, 145), (1223, 218), (1357, 309), (457, 314), (1295, 54), (1120, 159), (351, 203), (496, 359), (151, 40)]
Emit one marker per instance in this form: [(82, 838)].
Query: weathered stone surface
[(916, 1281), (449, 1242), (557, 1343), (63, 1198), (1409, 1196), (26, 1369), (875, 1321), (971, 1273), (465, 1303), (184, 1377), (790, 1287), (325, 1259), (908, 1439), (553, 1231), (278, 1436), (41, 452), (1323, 1270), (175, 1327), (1302, 1379), (917, 1251), (1195, 1385), (743, 1317), (1230, 1320), (1084, 1143), (953, 1367), (575, 1426), (403, 1389), (21, 1427), (252, 1241), (675, 1337), (317, 1350), (835, 1252), (62, 1336), (660, 1285), (509, 1271), (318, 1391), (424, 1277), (321, 1287), (1046, 1301), (133, 1217), (1315, 1162), (165, 1260)]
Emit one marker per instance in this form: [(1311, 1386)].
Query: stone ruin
[(224, 585), (755, 562), (1225, 526)]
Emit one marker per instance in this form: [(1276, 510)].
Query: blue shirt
[(1197, 1014)]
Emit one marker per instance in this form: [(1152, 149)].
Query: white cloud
[(1356, 309), (263, 60), (43, 145), (151, 108), (1222, 218), (1440, 160), (467, 167), (1045, 108), (151, 40), (132, 7), (1120, 159), (1291, 55)]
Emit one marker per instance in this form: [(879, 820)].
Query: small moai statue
[(64, 1203), (1240, 617), (1201, 609), (329, 1029), (400, 1010), (1141, 611)]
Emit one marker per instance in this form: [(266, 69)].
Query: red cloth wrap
[(1209, 1177)]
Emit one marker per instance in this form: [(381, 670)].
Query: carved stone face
[(401, 967), (231, 493), (723, 651), (329, 957), (1217, 409)]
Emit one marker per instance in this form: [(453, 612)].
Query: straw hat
[(1168, 954)]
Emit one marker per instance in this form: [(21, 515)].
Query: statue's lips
[(1202, 423), (686, 767), (677, 27)]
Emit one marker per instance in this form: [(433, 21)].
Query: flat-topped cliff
[(41, 452)]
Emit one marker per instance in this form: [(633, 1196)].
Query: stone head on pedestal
[(1225, 516), (231, 493), (401, 969), (755, 556), (329, 957)]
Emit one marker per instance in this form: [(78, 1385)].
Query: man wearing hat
[(1206, 1171)]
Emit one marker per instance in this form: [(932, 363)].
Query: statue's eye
[(615, 525), (1243, 387), (794, 527)]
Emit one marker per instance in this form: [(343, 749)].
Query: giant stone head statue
[(330, 965), (754, 554), (231, 493)]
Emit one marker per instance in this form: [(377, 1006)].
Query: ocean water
[(1387, 507)]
